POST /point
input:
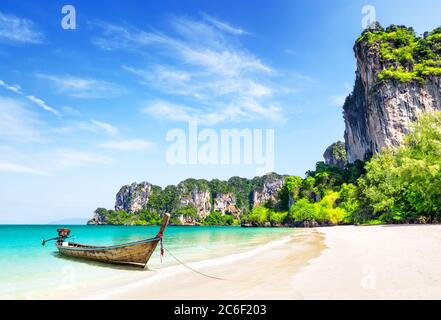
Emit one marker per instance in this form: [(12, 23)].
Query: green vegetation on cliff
[(399, 185), (404, 55), (326, 196), (404, 184)]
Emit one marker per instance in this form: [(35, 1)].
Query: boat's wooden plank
[(138, 252)]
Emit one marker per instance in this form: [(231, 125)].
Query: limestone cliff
[(98, 218), (192, 200), (134, 197), (397, 78), (335, 155), (226, 203), (268, 190), (195, 194)]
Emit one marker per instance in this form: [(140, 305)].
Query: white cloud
[(127, 145), (106, 127), (86, 88), (175, 112), (244, 110), (49, 162), (223, 26), (42, 104), (217, 76), (223, 62), (39, 102), (14, 88), (71, 111), (92, 125), (6, 167), (61, 159), (17, 123), (18, 30)]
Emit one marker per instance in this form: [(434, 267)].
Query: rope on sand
[(195, 271)]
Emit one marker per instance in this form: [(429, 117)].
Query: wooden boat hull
[(134, 253)]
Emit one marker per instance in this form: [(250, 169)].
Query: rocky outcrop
[(98, 217), (200, 200), (335, 155), (377, 113), (268, 191), (192, 200), (186, 220), (134, 197), (225, 203)]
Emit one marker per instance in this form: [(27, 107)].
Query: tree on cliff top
[(404, 56)]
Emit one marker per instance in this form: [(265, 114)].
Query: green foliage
[(291, 189), (397, 73), (349, 201), (328, 195), (188, 211), (303, 210), (314, 188), (338, 152), (166, 201), (258, 216), (150, 217), (262, 215), (143, 217), (405, 56), (241, 187), (277, 218), (325, 211), (293, 185), (219, 186), (404, 184), (217, 219)]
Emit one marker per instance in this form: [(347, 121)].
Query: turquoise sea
[(29, 270)]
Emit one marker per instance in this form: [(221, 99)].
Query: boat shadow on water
[(115, 266)]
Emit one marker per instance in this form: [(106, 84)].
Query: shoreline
[(178, 282), (234, 270), (343, 262)]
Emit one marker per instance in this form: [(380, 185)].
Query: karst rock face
[(226, 203), (192, 200), (377, 113), (98, 217), (198, 199), (134, 197), (335, 155), (268, 191)]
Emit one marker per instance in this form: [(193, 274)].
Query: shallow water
[(30, 270)]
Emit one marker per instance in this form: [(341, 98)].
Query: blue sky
[(85, 111)]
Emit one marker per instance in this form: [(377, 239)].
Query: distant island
[(388, 170)]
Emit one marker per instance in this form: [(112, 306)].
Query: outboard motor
[(63, 234)]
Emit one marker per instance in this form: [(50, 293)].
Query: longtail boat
[(135, 253)]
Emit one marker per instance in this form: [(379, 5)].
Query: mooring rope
[(195, 271)]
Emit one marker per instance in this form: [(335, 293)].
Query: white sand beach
[(345, 262)]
